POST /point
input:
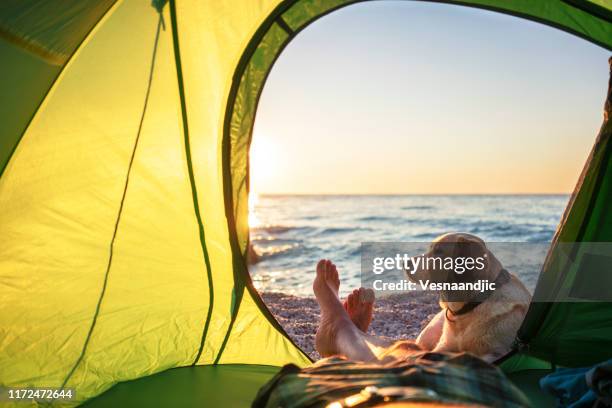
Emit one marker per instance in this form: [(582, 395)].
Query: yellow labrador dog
[(482, 323)]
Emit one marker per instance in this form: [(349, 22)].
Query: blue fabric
[(574, 387)]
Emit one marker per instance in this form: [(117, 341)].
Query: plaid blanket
[(425, 376)]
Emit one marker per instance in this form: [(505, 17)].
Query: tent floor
[(232, 386), (226, 386)]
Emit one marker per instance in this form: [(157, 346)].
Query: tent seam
[(194, 191), (121, 206)]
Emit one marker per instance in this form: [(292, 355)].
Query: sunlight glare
[(263, 159), (254, 221)]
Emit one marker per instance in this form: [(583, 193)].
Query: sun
[(263, 161), (263, 171)]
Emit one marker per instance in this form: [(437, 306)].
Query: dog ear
[(472, 248)]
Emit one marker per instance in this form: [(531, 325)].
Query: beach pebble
[(396, 317)]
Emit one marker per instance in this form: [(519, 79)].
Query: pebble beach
[(400, 316)]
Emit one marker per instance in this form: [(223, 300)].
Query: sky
[(396, 97)]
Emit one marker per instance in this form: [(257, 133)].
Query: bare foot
[(325, 287), (359, 306)]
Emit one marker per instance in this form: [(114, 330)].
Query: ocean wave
[(448, 223), (337, 230), (516, 232), (266, 252), (376, 218), (418, 207), (278, 229), (426, 237), (355, 251), (542, 236), (267, 240)]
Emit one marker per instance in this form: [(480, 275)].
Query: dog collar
[(503, 277)]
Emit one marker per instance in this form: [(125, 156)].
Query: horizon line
[(411, 194)]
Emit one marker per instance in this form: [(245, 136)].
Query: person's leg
[(337, 334), (359, 305)]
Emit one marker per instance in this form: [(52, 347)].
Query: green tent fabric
[(124, 187)]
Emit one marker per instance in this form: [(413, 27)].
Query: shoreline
[(397, 316)]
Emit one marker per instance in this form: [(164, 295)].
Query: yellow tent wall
[(102, 259)]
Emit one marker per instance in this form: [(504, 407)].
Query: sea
[(290, 233)]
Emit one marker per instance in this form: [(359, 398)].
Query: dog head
[(454, 258)]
